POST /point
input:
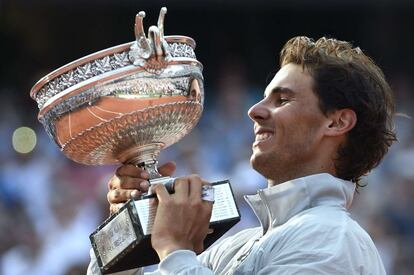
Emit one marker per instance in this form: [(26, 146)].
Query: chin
[(258, 163), (253, 160), (266, 165)]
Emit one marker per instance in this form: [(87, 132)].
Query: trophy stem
[(144, 156), (151, 168)]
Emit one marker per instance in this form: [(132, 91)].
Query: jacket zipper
[(269, 213), (242, 257)]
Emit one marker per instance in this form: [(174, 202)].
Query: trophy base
[(123, 241)]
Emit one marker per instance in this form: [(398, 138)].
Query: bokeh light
[(24, 140)]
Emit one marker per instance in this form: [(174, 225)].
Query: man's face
[(288, 125)]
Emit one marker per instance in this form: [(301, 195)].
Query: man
[(325, 121)]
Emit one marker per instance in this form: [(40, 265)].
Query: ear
[(340, 122)]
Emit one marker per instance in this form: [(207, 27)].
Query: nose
[(259, 111)]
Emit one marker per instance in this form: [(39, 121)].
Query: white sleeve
[(182, 262), (93, 268)]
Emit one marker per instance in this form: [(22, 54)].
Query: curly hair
[(344, 77)]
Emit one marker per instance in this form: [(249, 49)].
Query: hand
[(182, 219), (129, 182)]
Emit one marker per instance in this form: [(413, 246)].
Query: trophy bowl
[(126, 103)]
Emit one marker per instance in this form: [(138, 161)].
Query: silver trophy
[(123, 105)]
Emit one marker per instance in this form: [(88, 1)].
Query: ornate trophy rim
[(73, 85), (105, 77), (101, 54)]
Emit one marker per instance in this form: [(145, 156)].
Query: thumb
[(167, 169)]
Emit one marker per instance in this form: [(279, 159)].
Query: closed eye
[(281, 95), (282, 100)]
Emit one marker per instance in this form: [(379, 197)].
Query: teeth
[(263, 136)]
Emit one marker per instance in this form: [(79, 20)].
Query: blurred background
[(49, 205)]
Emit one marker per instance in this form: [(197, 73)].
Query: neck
[(299, 172), (322, 160)]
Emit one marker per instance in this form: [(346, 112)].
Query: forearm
[(182, 262)]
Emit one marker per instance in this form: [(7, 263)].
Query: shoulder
[(324, 235), (326, 221), (331, 225)]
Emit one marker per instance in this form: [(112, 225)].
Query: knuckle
[(195, 177), (194, 204), (115, 194), (181, 203), (115, 182), (135, 194), (180, 182), (143, 185)]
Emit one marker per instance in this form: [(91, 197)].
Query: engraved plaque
[(115, 237)]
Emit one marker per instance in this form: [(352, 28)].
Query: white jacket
[(305, 229)]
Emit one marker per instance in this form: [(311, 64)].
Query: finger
[(132, 183), (130, 170), (114, 183), (160, 191), (122, 195), (113, 208), (127, 183), (182, 188), (195, 188), (144, 186), (208, 210), (167, 169), (135, 194)]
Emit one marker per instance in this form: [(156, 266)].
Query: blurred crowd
[(49, 205)]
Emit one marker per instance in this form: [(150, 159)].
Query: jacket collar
[(275, 205)]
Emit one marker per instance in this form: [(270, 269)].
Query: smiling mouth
[(263, 136)]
